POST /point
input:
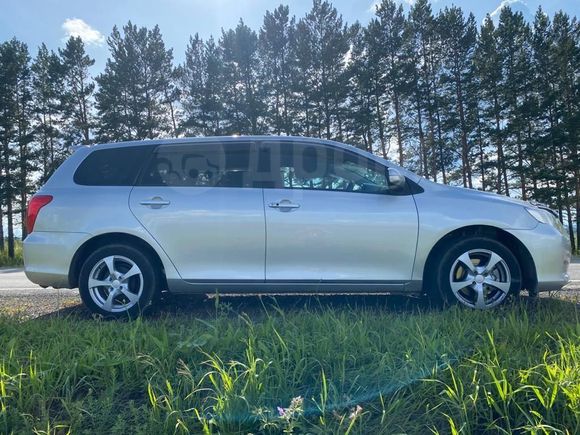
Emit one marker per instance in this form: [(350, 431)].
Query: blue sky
[(50, 21)]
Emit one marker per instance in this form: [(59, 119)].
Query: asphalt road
[(20, 296)]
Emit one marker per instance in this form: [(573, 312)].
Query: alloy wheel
[(480, 279), (115, 283)]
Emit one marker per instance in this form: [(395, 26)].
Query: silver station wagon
[(124, 222)]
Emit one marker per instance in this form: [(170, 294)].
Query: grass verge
[(313, 370), (18, 260)]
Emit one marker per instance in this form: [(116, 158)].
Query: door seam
[(265, 232)]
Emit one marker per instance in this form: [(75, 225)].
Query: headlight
[(539, 215), (547, 217)]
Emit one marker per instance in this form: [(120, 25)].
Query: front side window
[(313, 167), (200, 165)]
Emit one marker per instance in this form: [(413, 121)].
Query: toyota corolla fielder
[(123, 222)]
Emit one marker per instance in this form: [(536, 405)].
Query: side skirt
[(241, 287)]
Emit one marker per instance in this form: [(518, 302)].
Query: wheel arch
[(525, 260), (96, 242)]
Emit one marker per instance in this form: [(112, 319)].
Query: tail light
[(34, 206)]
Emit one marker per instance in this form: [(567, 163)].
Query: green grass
[(18, 260), (315, 370)]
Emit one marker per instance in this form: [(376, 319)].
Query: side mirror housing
[(397, 181)]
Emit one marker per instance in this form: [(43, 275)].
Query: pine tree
[(373, 68), (304, 81), (327, 39), (48, 88), (459, 39), (513, 37), (243, 100), (192, 79), (389, 47), (566, 59), (133, 90), (361, 121), (546, 149), (489, 70), (78, 91), (14, 132), (275, 49), (423, 46), (26, 156), (201, 80)]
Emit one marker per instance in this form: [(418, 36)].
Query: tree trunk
[(380, 122), (83, 111), (2, 243), (501, 170), (567, 204), (422, 150), (398, 127), (481, 152), (465, 164), (521, 167), (8, 198), (556, 166), (440, 142), (23, 188), (577, 189)]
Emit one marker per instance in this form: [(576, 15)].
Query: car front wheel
[(118, 281), (479, 273)]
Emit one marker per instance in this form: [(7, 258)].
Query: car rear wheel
[(118, 281), (479, 273)]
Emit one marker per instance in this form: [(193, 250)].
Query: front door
[(334, 217)]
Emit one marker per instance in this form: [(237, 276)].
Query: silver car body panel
[(209, 234), (314, 242), (230, 239)]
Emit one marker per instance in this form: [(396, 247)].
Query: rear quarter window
[(112, 166)]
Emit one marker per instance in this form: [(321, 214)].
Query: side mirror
[(397, 181)]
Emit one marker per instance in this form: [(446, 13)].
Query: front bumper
[(48, 256), (550, 249)]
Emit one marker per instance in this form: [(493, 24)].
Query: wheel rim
[(480, 279), (115, 283)]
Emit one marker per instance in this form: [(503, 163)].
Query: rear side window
[(113, 166), (201, 165)]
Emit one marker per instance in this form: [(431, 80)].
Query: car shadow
[(257, 306)]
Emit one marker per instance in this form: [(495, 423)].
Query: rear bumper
[(550, 250), (48, 256)]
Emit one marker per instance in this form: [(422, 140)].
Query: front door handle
[(155, 202), (284, 205)]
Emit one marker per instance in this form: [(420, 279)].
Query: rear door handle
[(284, 205), (155, 202)]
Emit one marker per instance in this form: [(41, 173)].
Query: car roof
[(210, 139), (254, 138)]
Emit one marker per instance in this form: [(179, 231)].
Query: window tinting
[(113, 166), (323, 168), (202, 165)]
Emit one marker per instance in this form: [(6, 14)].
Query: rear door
[(333, 217), (198, 202)]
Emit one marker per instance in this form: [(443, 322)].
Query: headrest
[(310, 163)]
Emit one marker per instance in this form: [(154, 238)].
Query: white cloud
[(78, 27), (374, 5), (516, 5)]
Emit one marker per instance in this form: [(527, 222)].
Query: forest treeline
[(493, 106)]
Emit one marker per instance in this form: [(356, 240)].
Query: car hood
[(462, 192)]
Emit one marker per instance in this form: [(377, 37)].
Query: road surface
[(20, 296)]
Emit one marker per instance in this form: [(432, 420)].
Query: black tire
[(507, 274), (146, 283)]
